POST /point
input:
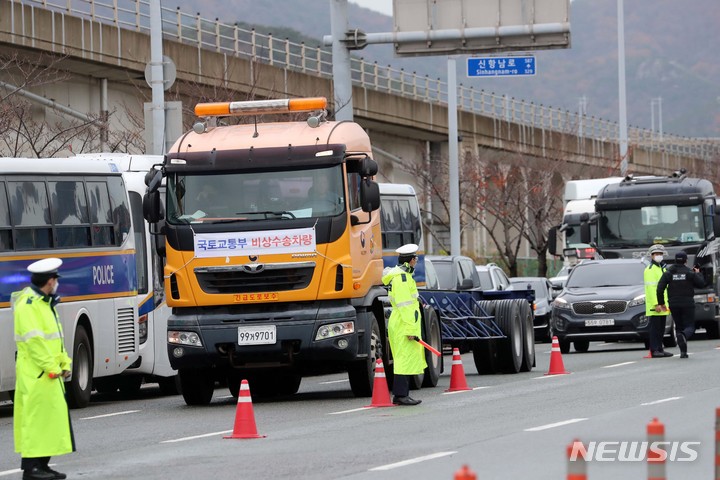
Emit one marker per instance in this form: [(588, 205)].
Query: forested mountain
[(672, 53)]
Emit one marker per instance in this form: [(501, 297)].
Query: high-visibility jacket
[(405, 319), (40, 413), (652, 276)]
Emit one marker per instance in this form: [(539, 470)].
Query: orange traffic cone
[(244, 416), (465, 474), (556, 362), (381, 394), (457, 374)]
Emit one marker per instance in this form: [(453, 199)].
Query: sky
[(382, 6)]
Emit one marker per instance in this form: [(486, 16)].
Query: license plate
[(257, 297), (599, 322), (260, 335)]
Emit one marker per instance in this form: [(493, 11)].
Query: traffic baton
[(428, 346)]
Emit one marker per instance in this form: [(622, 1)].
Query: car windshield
[(431, 278), (606, 275), (445, 276), (248, 196)]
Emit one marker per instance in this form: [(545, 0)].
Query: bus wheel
[(197, 385), (80, 386), (362, 373)]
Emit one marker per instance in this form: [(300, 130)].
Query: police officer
[(404, 325), (40, 415), (655, 311), (681, 282)]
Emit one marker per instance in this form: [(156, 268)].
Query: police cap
[(407, 249), (47, 267), (657, 248)]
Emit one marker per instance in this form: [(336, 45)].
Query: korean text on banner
[(254, 243)]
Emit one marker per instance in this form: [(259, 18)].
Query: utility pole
[(623, 133), (341, 68)]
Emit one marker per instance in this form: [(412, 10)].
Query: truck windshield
[(644, 226), (251, 196)]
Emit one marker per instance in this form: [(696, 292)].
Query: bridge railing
[(234, 40)]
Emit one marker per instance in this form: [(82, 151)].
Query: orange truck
[(273, 251)]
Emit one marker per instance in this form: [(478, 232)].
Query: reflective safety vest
[(652, 276), (40, 413), (405, 319)]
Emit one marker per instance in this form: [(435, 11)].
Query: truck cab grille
[(254, 278)]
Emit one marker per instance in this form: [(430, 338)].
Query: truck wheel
[(434, 338), (485, 356), (510, 349), (197, 385), (526, 316), (80, 386), (362, 373)]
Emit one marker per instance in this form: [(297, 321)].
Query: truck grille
[(254, 278), (592, 308)]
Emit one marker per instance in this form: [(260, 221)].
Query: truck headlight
[(335, 329), (561, 303), (191, 339), (639, 300)]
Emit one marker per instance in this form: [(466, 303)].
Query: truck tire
[(197, 384), (362, 373), (510, 349), (432, 336), (79, 387), (526, 316), (485, 351), (169, 385)]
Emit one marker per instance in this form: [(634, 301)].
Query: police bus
[(152, 364), (77, 210)]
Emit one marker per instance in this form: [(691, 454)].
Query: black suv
[(604, 300)]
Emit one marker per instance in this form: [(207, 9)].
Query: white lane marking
[(405, 463), (334, 381), (10, 472), (350, 411), (110, 415), (461, 391), (618, 365), (175, 440), (550, 376), (669, 399), (553, 425)]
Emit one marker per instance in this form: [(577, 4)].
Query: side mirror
[(153, 179), (152, 207), (368, 167), (552, 240), (369, 195), (585, 232), (466, 284)]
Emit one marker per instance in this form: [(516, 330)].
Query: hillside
[(672, 52)]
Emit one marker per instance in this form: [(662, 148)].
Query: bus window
[(100, 214), (69, 213), (5, 230), (141, 259), (120, 210), (30, 212)]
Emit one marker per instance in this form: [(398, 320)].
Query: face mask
[(658, 258), (55, 287)]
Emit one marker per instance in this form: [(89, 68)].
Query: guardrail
[(234, 40)]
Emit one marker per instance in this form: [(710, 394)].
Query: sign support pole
[(453, 176)]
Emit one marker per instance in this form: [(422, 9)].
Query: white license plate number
[(261, 335), (600, 322)]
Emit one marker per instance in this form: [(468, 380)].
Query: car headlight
[(639, 300), (191, 339), (561, 303), (335, 329)]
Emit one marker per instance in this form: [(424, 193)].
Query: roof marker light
[(255, 107)]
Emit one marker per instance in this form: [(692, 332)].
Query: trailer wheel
[(362, 373), (80, 386), (526, 316), (197, 385), (510, 349), (434, 338), (485, 351)]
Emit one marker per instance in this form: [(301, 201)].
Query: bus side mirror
[(369, 195), (585, 232), (153, 179), (152, 207)]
